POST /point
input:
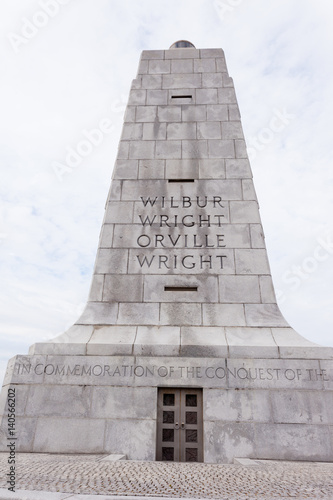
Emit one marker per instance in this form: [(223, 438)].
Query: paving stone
[(40, 476)]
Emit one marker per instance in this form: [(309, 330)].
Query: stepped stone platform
[(181, 353)]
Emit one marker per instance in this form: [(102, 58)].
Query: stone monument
[(181, 353)]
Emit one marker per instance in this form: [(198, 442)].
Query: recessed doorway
[(179, 425)]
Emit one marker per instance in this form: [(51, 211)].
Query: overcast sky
[(66, 65)]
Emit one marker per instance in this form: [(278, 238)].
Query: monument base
[(260, 408)]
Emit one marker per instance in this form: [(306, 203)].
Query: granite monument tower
[(181, 353)]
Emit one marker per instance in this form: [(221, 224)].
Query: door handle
[(182, 425), (176, 425)]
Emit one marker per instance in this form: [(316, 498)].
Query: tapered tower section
[(182, 311)]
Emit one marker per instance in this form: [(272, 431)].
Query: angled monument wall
[(182, 244)]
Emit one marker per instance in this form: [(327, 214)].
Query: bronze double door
[(179, 425)]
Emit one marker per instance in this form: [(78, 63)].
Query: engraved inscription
[(167, 224), (240, 373)]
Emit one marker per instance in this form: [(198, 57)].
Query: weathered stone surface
[(181, 314), (251, 343), (182, 65), (112, 340), (204, 65), (209, 130), (303, 407), (157, 341), (117, 211), (146, 113), (186, 53), (267, 290), (98, 313), (181, 81), (206, 96), (123, 288), (251, 261), (208, 341), (152, 169), (227, 440), (221, 149), (154, 131), (123, 402), (157, 97), (240, 289), (152, 54), (182, 169), (56, 401), (217, 112), (194, 113), (181, 131), (119, 436), (292, 441), (106, 237), (233, 406), (111, 262), (59, 433), (264, 315), (137, 97), (238, 169), (224, 315), (170, 149), (159, 67), (25, 428), (138, 313), (151, 81), (212, 80), (131, 131), (212, 169), (244, 211)]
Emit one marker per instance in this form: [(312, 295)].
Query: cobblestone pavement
[(82, 474)]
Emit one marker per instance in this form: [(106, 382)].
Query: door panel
[(179, 425)]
